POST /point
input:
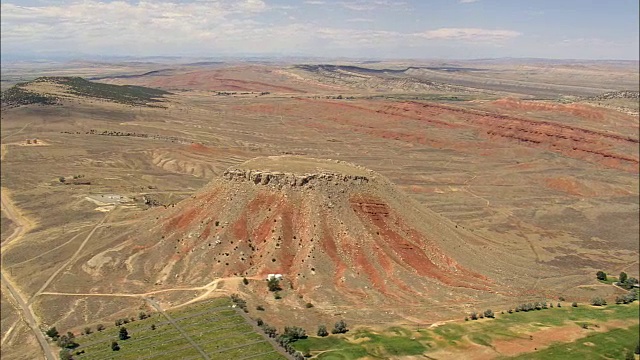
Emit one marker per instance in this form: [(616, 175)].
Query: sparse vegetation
[(17, 96)]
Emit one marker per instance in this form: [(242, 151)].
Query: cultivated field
[(210, 327)]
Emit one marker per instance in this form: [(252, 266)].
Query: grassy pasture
[(398, 341)]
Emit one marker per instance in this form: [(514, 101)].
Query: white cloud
[(203, 28), (469, 34), (467, 1), (315, 2), (360, 20), (366, 5)]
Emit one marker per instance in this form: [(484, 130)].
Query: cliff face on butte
[(336, 231)]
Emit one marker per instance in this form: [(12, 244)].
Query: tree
[(100, 327), (259, 321), (115, 346), (294, 333), (623, 277), (269, 330), (489, 314), (245, 281), (123, 334), (66, 342), (274, 284), (65, 355), (53, 333), (638, 349), (601, 275), (322, 331), (340, 327)]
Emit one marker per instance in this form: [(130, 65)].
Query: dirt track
[(22, 226)]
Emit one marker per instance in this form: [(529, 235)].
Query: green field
[(404, 341), (215, 327), (613, 344)]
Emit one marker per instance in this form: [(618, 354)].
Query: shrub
[(340, 327), (153, 326), (473, 316), (245, 281), (574, 304), (601, 275), (322, 331), (489, 314), (260, 308), (87, 330), (274, 284), (598, 301), (142, 315), (559, 305), (259, 322), (115, 346), (466, 318), (100, 327), (308, 305), (277, 296), (629, 355)]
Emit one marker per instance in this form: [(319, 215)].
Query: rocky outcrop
[(624, 94), (282, 179)]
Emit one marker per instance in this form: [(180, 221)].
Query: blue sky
[(427, 29)]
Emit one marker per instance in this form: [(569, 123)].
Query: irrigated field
[(554, 333), (211, 327)]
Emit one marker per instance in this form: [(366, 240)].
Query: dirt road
[(22, 226)]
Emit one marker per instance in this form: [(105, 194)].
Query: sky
[(372, 29)]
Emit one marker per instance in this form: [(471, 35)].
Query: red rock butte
[(333, 229)]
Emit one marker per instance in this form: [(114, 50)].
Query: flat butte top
[(302, 165)]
